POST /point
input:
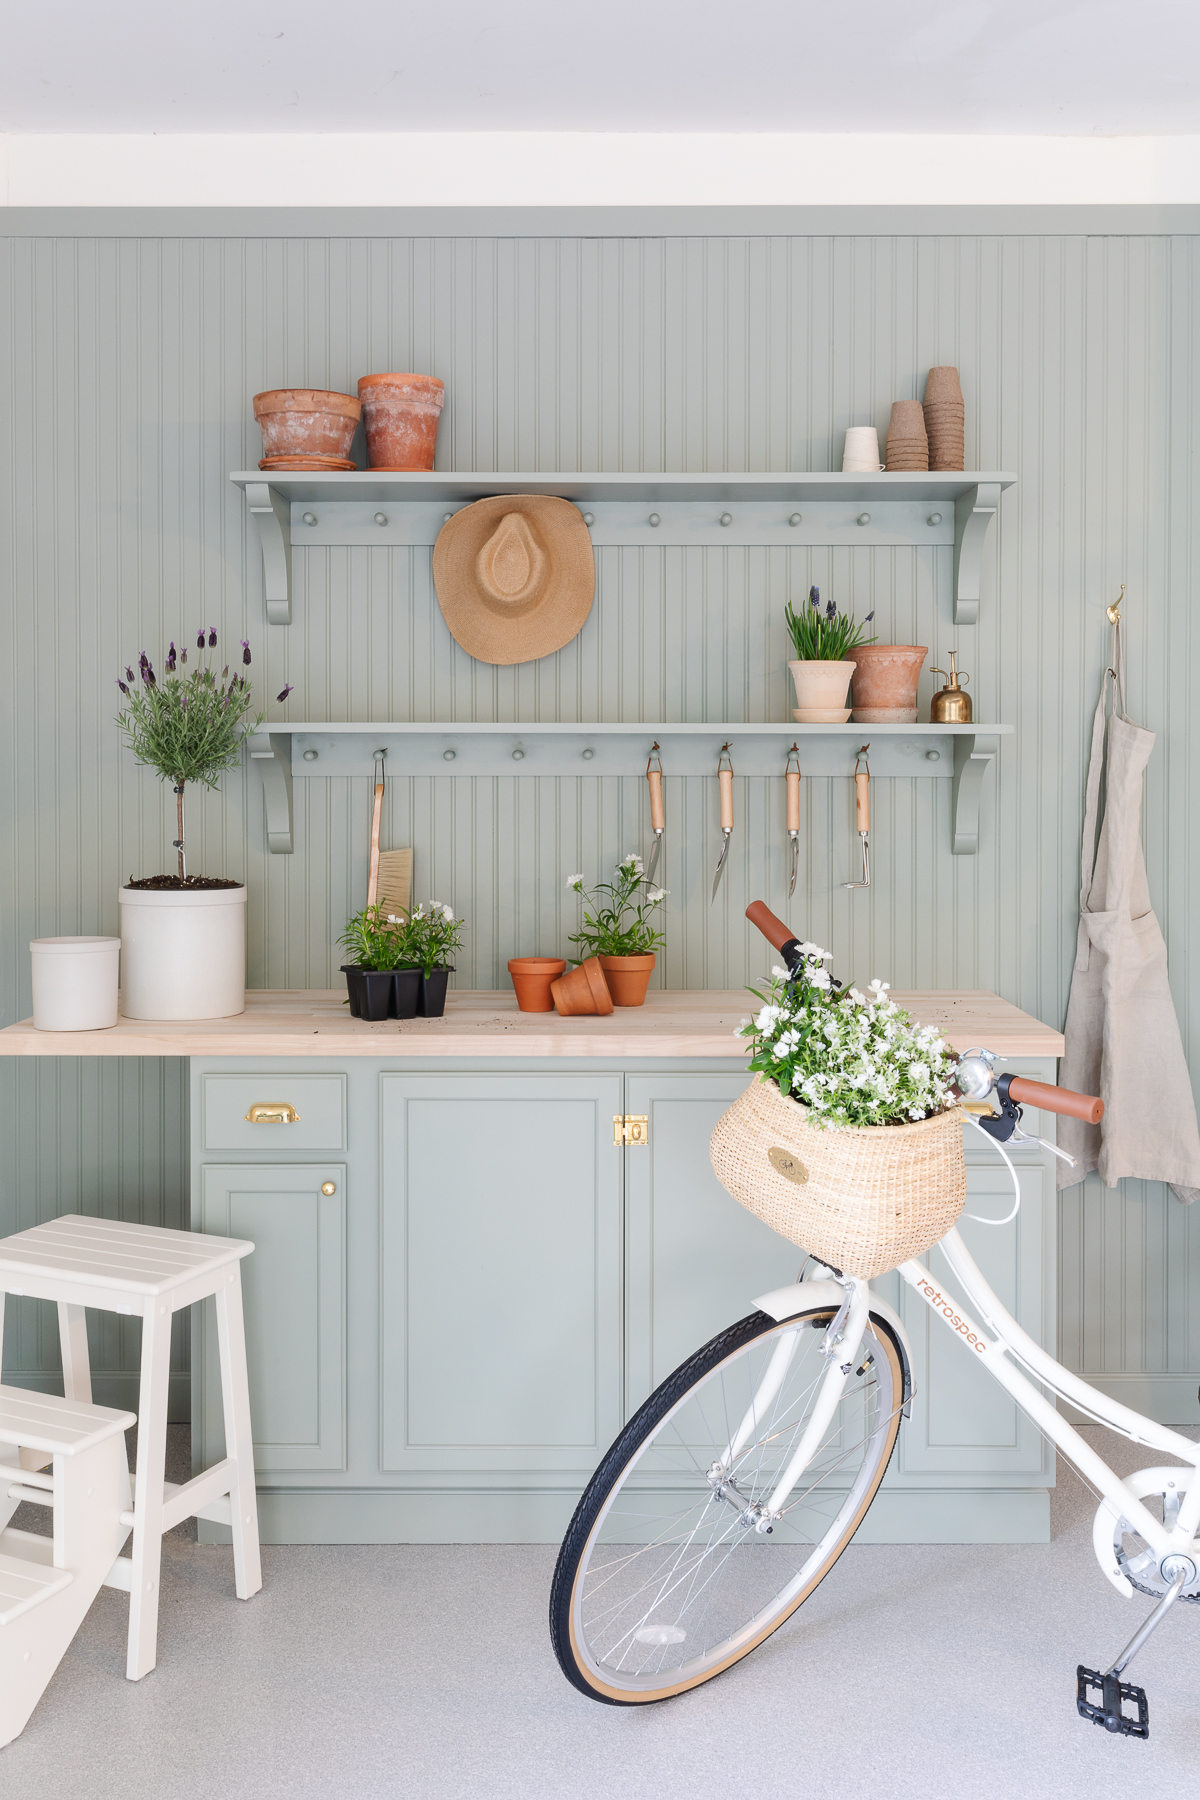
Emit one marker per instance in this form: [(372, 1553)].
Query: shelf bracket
[(272, 752), (272, 513), (973, 514), (973, 757)]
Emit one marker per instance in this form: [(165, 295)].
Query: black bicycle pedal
[(1112, 1695)]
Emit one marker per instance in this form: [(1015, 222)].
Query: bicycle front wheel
[(663, 1579)]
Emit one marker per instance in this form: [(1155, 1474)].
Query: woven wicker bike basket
[(862, 1200)]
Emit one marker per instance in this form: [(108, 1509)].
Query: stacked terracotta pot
[(945, 419), (313, 428), (907, 445)]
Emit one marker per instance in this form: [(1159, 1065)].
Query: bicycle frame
[(1001, 1344)]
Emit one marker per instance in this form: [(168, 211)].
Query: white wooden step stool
[(144, 1270), (47, 1584)]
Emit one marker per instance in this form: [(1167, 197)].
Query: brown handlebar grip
[(1088, 1107), (773, 929)]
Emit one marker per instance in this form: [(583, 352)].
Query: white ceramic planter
[(821, 689), (75, 983), (183, 954)]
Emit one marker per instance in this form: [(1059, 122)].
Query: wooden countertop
[(688, 1023)]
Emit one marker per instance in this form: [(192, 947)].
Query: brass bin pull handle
[(273, 1112)]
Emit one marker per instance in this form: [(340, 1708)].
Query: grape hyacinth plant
[(606, 931), (849, 1058), (824, 636), (188, 726)]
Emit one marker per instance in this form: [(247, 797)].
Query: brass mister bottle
[(950, 705)]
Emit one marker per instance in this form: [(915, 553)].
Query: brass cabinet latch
[(273, 1112), (631, 1129)]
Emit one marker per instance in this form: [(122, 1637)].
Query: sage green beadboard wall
[(126, 371)]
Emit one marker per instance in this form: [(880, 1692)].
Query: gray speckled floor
[(426, 1670)]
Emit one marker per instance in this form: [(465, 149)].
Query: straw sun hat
[(514, 576)]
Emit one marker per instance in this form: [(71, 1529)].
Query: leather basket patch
[(785, 1163)]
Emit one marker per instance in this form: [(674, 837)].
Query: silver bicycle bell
[(975, 1075)]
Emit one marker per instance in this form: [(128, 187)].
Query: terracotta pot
[(307, 422), (628, 977), (532, 977), (821, 689), (885, 682), (401, 414), (582, 990)]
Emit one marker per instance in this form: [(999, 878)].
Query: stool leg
[(239, 1443), (148, 1501), (72, 1337)]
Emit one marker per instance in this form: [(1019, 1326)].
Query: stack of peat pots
[(907, 444), (944, 419)]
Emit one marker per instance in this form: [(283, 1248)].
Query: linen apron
[(1122, 1036)]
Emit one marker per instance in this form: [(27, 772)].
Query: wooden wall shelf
[(961, 753), (365, 507)]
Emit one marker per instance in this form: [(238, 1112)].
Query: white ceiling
[(1092, 67)]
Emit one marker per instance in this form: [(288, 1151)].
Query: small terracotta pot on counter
[(582, 990), (311, 424), (821, 691), (885, 682), (401, 414), (627, 978), (532, 977)]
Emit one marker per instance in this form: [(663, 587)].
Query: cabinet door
[(695, 1259), (294, 1287), (963, 1423), (501, 1271)]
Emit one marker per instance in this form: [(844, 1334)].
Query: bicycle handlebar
[(1088, 1107), (773, 929)]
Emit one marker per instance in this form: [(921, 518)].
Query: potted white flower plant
[(850, 1140), (400, 961), (183, 937), (823, 670), (619, 928)]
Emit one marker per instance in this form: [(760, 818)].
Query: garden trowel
[(725, 776), (862, 815), (793, 810), (657, 817)]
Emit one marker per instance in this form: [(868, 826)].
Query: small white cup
[(861, 454), (75, 983)]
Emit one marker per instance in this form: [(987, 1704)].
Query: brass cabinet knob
[(329, 1187), (273, 1112)]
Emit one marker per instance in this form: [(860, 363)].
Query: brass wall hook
[(1114, 611)]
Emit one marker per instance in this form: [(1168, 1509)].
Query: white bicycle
[(734, 1489)]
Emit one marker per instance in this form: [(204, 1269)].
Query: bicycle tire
[(569, 1629)]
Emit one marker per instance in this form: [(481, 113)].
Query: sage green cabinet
[(294, 1289), (500, 1254), (694, 1258), (443, 1346)]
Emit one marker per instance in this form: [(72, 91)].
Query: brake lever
[(1005, 1126)]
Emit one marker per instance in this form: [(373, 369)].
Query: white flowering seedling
[(622, 923), (850, 1058)]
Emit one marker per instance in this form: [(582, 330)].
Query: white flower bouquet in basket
[(850, 1140)]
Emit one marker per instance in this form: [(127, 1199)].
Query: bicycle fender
[(798, 1296)]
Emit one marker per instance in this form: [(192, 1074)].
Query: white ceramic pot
[(183, 953), (821, 689), (74, 983)]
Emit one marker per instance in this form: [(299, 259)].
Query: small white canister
[(75, 983)]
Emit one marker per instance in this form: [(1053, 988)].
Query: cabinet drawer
[(318, 1101)]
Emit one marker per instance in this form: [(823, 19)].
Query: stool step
[(25, 1584), (57, 1426)]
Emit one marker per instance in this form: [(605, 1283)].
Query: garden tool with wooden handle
[(793, 810), (725, 777), (376, 816), (862, 815), (657, 816)]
